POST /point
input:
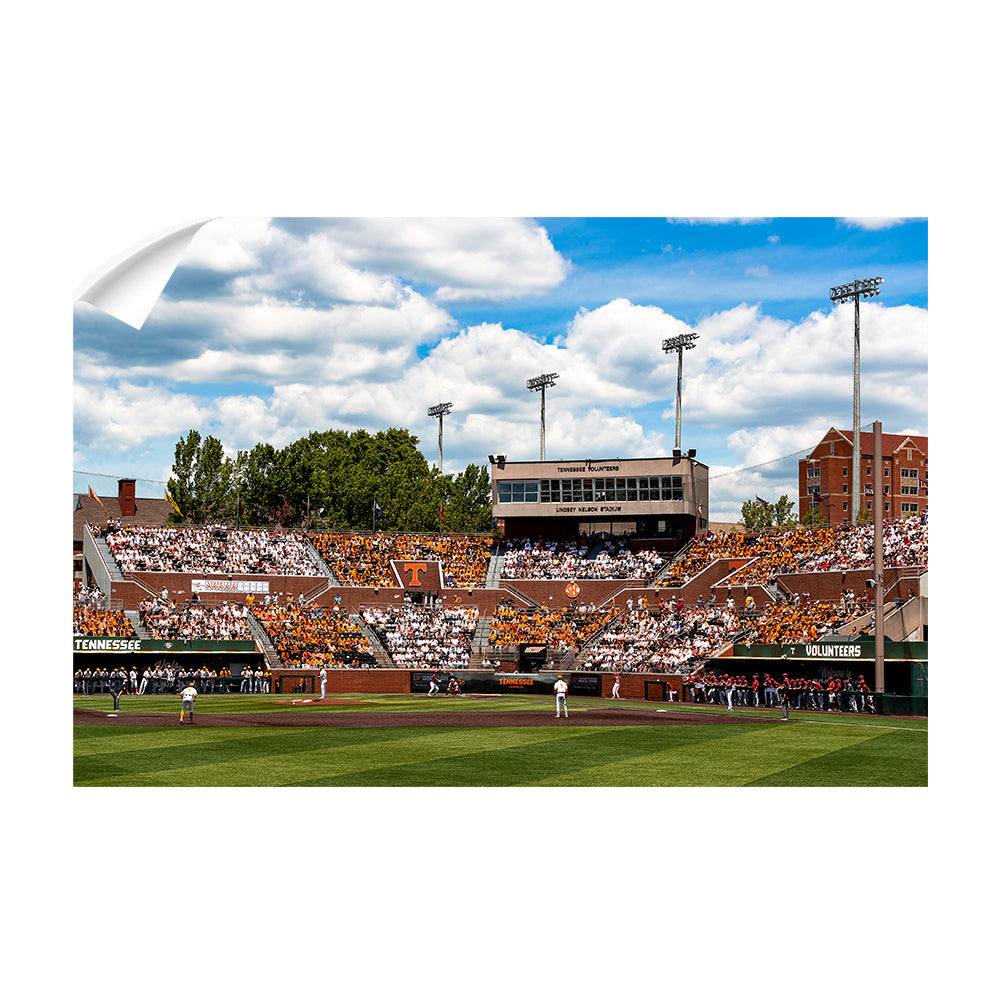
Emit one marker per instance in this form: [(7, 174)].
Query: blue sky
[(271, 328)]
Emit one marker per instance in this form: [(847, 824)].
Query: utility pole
[(680, 343), (440, 411), (877, 502), (860, 288), (540, 382)]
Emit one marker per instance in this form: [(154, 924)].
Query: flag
[(441, 513), (762, 503), (700, 510), (172, 502), (869, 491), (98, 499), (376, 509), (923, 484)]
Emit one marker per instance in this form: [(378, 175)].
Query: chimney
[(126, 497)]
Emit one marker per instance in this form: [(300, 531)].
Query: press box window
[(517, 492)]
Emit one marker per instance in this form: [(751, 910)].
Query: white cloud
[(616, 350), (872, 223), (276, 341), (717, 221), (751, 368), (229, 244), (464, 259), (758, 271), (121, 418)]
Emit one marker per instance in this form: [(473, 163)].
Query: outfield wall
[(633, 686)]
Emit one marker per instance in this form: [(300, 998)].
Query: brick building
[(825, 475), (124, 507)]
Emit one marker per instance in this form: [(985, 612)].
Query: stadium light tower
[(680, 343), (540, 382), (860, 288), (440, 411)]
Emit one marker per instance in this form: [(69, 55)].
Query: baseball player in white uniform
[(618, 684), (322, 682), (561, 687), (188, 696)]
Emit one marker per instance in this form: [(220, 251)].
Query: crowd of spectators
[(419, 637), (310, 637), (795, 623), (365, 560), (525, 559), (666, 640), (802, 550), (95, 621), (210, 549), (904, 543), (89, 596), (560, 628), (164, 619)]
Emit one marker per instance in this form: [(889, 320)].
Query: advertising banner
[(230, 586), (847, 648), (469, 682), (132, 644), (587, 684)]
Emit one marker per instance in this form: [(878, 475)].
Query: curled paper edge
[(128, 287)]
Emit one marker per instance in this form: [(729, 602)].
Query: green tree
[(201, 480), (815, 518), (757, 517), (470, 501), (784, 515), (253, 486)]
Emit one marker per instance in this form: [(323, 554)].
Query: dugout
[(531, 657), (661, 502), (233, 662), (905, 679)]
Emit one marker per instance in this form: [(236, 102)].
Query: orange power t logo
[(413, 569)]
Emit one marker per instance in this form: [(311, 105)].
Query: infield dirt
[(420, 719)]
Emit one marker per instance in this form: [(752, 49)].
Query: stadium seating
[(418, 637), (211, 549), (90, 621), (561, 628), (221, 623), (660, 642), (306, 636), (365, 560), (525, 559)]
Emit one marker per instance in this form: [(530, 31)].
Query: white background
[(124, 121)]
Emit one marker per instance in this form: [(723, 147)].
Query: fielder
[(561, 687), (618, 684), (322, 682), (117, 686), (188, 696)]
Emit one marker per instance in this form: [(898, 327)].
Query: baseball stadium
[(681, 655)]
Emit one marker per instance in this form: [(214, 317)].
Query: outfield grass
[(810, 750)]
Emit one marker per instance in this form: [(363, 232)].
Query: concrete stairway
[(264, 642)]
